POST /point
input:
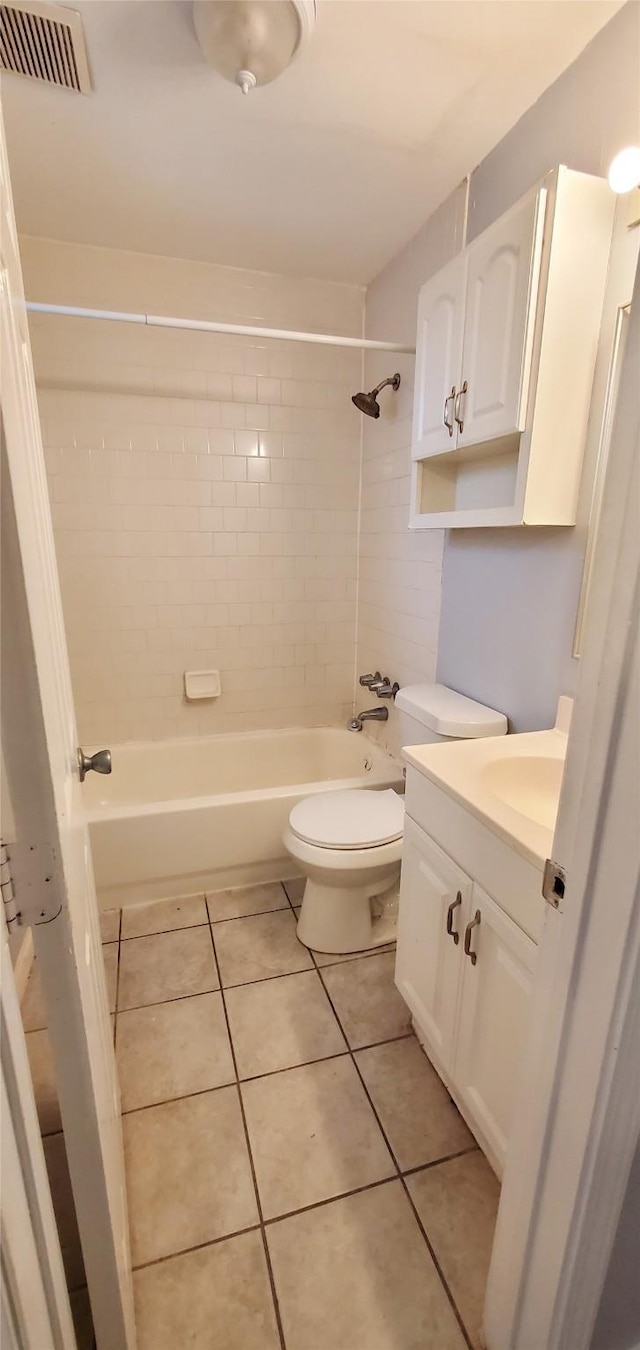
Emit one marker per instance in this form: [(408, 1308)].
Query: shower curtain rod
[(206, 326)]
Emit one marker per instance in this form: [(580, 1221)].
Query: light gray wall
[(618, 1322), (509, 597)]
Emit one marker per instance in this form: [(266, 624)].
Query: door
[(434, 898), (503, 272), (438, 360), (494, 1018), (51, 859), (35, 1303)]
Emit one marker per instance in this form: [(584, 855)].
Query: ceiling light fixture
[(624, 170), (251, 42)]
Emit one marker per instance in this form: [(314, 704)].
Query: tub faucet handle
[(100, 762), (368, 680), (388, 690)]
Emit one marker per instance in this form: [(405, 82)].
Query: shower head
[(368, 403)]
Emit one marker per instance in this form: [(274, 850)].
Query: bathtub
[(179, 817)]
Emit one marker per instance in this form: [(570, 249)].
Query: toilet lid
[(350, 819)]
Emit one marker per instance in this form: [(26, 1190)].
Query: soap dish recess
[(202, 684)]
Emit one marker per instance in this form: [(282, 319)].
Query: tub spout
[(369, 715)]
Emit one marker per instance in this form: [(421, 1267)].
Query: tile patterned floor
[(299, 1178)]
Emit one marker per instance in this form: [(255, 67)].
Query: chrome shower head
[(368, 403)]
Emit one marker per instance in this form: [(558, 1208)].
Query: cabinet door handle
[(450, 912), (456, 407), (450, 397), (474, 923)]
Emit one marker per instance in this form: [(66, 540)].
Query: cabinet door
[(494, 1019), (428, 958), (503, 272), (438, 360)]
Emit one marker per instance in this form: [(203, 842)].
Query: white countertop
[(512, 783)]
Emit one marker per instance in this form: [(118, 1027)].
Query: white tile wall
[(400, 570), (204, 494)]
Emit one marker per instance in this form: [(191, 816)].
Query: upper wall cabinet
[(506, 344)]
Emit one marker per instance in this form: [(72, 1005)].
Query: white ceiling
[(327, 172)]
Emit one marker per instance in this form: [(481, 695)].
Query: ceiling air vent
[(44, 42)]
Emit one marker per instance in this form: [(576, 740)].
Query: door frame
[(578, 1122)]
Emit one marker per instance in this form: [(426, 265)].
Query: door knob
[(100, 762)]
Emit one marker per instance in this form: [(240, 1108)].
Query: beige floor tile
[(295, 889), (162, 916), (165, 966), (259, 947), (82, 1320), (34, 1014), (109, 924), (420, 1120), (43, 1078), (332, 959), (457, 1203), (188, 1174), (218, 1298), (55, 1157), (313, 1135), (244, 900), (169, 1050), (357, 1275), (366, 999), (280, 1023), (110, 956)]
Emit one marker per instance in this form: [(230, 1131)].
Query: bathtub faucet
[(369, 715)]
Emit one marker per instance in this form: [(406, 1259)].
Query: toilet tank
[(431, 712)]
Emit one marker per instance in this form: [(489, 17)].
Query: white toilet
[(348, 844)]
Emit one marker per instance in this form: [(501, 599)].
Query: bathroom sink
[(529, 784), (512, 783)]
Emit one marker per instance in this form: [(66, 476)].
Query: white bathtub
[(178, 817)]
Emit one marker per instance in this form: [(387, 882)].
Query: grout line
[(199, 1246), (256, 914), (403, 1183), (164, 932), (436, 1162), (330, 1200), (272, 1073), (265, 1245)]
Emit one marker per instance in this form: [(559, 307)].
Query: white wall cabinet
[(472, 1015), (505, 351), (438, 360)]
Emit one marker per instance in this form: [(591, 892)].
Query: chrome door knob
[(100, 762)]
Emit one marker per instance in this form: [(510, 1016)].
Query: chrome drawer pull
[(448, 400), (474, 923), (453, 906)]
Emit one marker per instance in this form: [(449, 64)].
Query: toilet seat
[(350, 819)]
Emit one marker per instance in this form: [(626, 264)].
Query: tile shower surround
[(204, 492), (354, 1210)]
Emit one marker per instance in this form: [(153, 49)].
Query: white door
[(494, 1018), (503, 271), (35, 1303), (438, 360), (52, 859), (434, 897)]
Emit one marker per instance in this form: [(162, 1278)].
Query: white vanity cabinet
[(464, 969), (493, 1021), (505, 351)]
